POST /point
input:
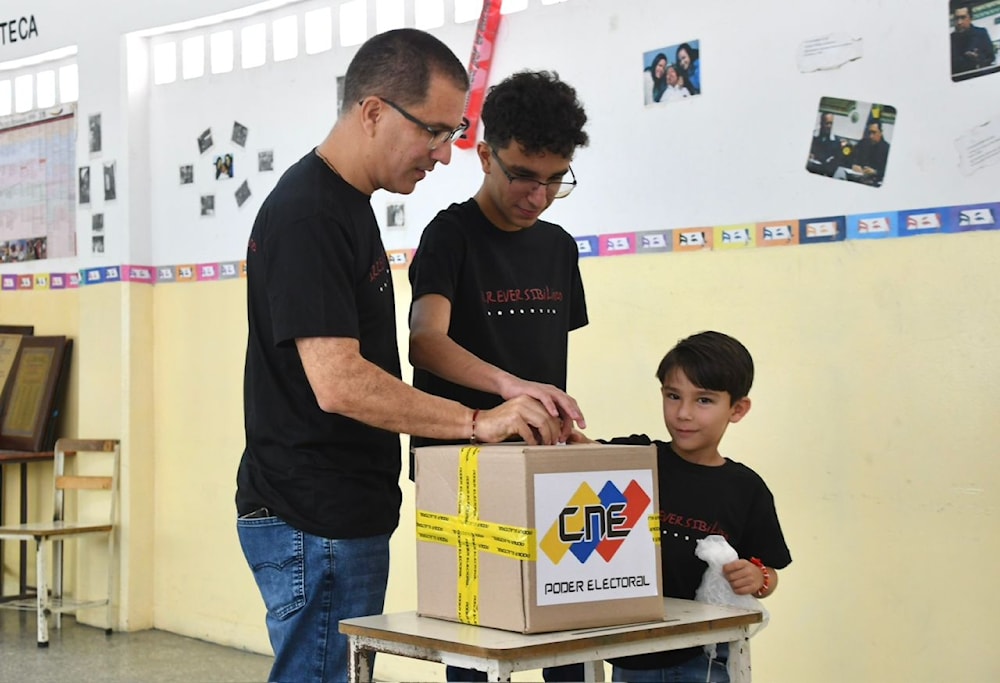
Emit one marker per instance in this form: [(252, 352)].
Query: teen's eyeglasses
[(439, 136), (557, 189)]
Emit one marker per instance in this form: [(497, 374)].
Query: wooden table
[(500, 653), (23, 458)]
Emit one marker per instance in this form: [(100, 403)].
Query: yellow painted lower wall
[(872, 422)]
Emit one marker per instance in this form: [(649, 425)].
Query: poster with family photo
[(110, 192), (340, 94), (94, 124), (671, 73), (205, 141), (187, 174), (242, 193), (83, 181), (851, 140), (975, 33), (208, 205), (395, 215), (265, 160), (97, 223), (240, 134), (97, 244)]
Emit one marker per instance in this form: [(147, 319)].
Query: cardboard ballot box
[(538, 538)]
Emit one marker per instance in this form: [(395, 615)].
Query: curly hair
[(538, 110), (398, 64)]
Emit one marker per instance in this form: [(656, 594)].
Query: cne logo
[(592, 521)]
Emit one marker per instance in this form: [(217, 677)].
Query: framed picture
[(10, 342), (37, 383)]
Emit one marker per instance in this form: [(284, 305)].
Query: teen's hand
[(556, 401)]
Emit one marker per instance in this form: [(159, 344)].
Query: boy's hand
[(578, 437), (744, 577)]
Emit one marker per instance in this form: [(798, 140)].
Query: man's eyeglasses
[(439, 136), (557, 189)]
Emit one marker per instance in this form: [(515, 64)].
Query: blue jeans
[(309, 584), (694, 670)]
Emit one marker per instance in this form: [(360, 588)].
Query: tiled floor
[(83, 654)]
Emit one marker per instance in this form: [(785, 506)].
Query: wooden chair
[(89, 486)]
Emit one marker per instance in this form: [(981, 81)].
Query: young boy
[(705, 381)]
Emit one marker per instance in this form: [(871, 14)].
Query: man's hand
[(523, 416), (558, 403)]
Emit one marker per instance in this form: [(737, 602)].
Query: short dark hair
[(398, 64), (692, 53), (712, 361), (538, 110)]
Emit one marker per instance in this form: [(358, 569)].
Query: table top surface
[(682, 617)]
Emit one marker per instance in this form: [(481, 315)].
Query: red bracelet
[(767, 577), (475, 414)]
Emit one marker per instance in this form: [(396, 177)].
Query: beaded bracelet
[(762, 591), (475, 415)]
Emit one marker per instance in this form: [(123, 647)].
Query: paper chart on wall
[(37, 184)]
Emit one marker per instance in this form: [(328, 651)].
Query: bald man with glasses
[(318, 492)]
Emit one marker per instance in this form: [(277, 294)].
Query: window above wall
[(282, 30), (39, 82)]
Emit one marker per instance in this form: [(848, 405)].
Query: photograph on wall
[(97, 223), (265, 160), (671, 73), (340, 94), (97, 244), (187, 174), (395, 215), (109, 181), (975, 34), (17, 251), (242, 193), (205, 141), (851, 140), (224, 166), (94, 121), (83, 178), (208, 205), (239, 134)]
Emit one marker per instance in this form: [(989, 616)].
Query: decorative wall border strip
[(797, 231)]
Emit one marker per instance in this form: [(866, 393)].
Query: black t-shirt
[(515, 296), (316, 267), (696, 501)]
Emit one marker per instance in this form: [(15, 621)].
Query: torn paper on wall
[(831, 51), (980, 147)]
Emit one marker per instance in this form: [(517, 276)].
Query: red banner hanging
[(479, 68)]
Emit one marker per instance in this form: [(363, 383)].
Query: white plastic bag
[(715, 589)]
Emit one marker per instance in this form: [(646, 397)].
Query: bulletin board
[(38, 185)]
